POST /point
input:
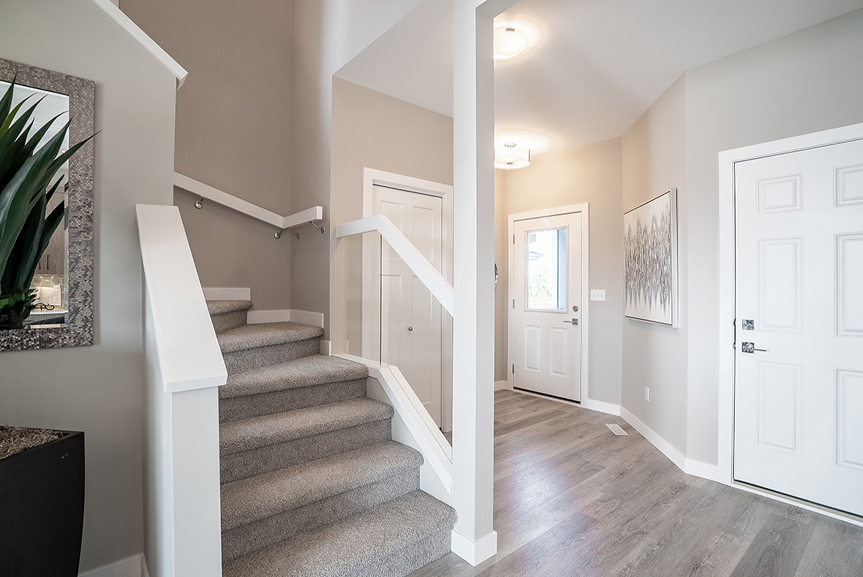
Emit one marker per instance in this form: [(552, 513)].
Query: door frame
[(584, 209), (726, 352), (372, 177)]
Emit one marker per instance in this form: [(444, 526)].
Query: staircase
[(312, 483)]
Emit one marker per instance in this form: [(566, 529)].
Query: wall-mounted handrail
[(205, 191), (411, 256)]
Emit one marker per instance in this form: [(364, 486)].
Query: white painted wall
[(655, 356), (98, 389)]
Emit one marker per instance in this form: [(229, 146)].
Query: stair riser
[(266, 532), (265, 459), (411, 558), (236, 408), (239, 361), (228, 321)]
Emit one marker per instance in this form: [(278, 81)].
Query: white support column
[(473, 321)]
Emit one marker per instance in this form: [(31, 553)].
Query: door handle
[(746, 347), (572, 322)]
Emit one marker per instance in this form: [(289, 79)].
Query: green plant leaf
[(25, 254), (19, 196), (6, 104)]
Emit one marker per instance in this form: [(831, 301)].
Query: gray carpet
[(312, 484)]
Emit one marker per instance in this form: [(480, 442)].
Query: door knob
[(410, 329)]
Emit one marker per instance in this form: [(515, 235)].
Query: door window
[(546, 269)]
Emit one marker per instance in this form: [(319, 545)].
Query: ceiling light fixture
[(509, 42), (510, 157)]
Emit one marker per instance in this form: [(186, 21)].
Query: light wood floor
[(572, 499)]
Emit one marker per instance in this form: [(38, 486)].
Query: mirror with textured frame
[(62, 315)]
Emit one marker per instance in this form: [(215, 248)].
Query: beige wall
[(98, 389), (655, 356), (328, 34), (811, 80), (590, 174), (233, 132), (373, 130)]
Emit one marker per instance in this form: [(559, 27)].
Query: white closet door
[(799, 379), (411, 336)]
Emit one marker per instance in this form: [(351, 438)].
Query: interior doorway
[(414, 331), (548, 287)]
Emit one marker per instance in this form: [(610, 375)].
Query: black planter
[(42, 509)]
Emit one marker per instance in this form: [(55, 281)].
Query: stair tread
[(266, 334), (357, 541), (221, 307), (258, 497), (237, 436), (303, 372)]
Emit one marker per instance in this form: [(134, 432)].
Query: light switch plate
[(597, 295)]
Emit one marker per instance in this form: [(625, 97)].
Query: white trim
[(326, 348), (227, 294), (703, 470), (310, 318), (601, 406), (243, 206), (371, 334), (269, 316), (664, 446), (133, 566), (584, 209), (502, 385), (433, 445), (114, 12), (474, 552), (727, 278)]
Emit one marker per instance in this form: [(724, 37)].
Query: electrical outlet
[(647, 394), (597, 295)]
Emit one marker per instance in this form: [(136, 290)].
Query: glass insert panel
[(546, 269)]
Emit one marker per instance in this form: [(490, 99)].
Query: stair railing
[(183, 370), (282, 223), (413, 425)]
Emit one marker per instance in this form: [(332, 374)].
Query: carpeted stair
[(312, 483)]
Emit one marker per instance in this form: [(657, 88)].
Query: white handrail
[(308, 215), (411, 256)]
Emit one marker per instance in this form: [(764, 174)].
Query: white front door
[(547, 305), (411, 335), (799, 326)]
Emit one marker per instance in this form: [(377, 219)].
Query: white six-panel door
[(547, 305), (411, 336), (799, 322)]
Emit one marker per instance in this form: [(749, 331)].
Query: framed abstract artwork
[(650, 265)]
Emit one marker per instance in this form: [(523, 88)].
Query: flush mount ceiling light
[(510, 157), (513, 37), (509, 42)]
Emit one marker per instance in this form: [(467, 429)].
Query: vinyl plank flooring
[(572, 499)]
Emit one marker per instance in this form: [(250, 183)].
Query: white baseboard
[(134, 566), (669, 451), (271, 316), (474, 552), (227, 294), (326, 348), (705, 471), (601, 406), (501, 385), (283, 315)]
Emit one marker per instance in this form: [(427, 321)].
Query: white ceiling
[(598, 66)]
